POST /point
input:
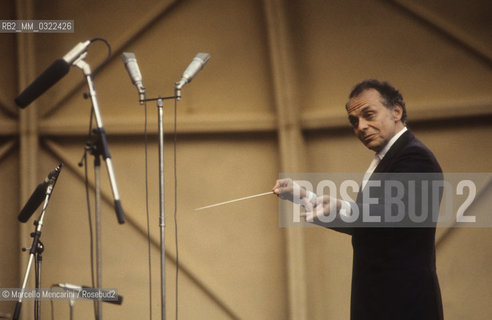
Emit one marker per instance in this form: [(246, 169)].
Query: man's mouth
[(368, 137)]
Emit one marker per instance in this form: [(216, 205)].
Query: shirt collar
[(383, 152)]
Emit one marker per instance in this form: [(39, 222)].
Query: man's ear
[(397, 112)]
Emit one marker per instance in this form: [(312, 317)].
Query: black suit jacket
[(394, 270)]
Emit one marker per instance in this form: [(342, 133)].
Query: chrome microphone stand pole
[(162, 223), (97, 178)]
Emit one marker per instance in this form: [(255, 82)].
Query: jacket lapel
[(389, 158)]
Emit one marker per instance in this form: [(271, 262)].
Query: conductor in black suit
[(394, 271)]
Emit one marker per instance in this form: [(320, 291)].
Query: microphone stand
[(131, 65), (99, 148), (95, 149), (37, 268), (71, 305), (162, 224), (196, 65), (35, 250)]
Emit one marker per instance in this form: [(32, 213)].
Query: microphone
[(196, 65), (51, 75), (39, 195), (110, 296), (131, 66)]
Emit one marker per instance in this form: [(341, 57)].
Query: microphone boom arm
[(84, 66)]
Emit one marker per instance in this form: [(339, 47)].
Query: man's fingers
[(317, 211), (318, 201), (279, 186), (308, 206), (310, 211), (276, 187), (308, 216)]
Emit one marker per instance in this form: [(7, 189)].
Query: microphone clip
[(141, 95), (53, 176), (177, 90)]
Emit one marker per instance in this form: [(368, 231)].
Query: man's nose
[(362, 125)]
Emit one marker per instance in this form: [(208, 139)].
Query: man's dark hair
[(391, 96)]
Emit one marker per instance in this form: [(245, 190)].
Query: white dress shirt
[(346, 209)]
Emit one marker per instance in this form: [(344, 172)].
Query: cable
[(36, 285), (51, 304), (83, 162), (176, 205), (108, 57), (149, 242)]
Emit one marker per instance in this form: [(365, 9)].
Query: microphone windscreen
[(33, 203), (120, 214), (48, 78), (203, 56), (126, 56)]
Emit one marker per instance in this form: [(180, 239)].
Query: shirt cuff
[(345, 209)]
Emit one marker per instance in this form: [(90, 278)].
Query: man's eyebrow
[(362, 109), (366, 108)]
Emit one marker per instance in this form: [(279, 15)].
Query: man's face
[(373, 123)]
